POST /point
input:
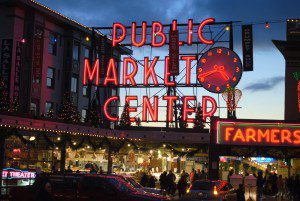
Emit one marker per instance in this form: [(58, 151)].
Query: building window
[(74, 82), (83, 115), (86, 53), (52, 47), (84, 90), (33, 108), (48, 106), (50, 77), (76, 51)]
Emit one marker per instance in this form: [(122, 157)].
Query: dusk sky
[(263, 89)]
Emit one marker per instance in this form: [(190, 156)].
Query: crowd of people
[(167, 181), (271, 184), (282, 187)]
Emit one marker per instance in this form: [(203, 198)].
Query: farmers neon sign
[(91, 72), (261, 134)]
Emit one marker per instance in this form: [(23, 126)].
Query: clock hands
[(217, 69)]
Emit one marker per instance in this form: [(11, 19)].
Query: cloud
[(105, 12), (265, 85)]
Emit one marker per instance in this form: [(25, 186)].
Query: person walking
[(192, 175), (152, 181), (240, 193), (260, 184), (230, 174), (279, 183), (144, 180), (171, 183), (202, 175), (163, 180), (182, 184)]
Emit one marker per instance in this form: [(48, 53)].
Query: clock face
[(219, 68)]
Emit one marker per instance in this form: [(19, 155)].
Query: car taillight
[(189, 189), (215, 191)]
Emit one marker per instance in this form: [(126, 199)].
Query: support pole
[(63, 153), (2, 159), (109, 161), (89, 88)]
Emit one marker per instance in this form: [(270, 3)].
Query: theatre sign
[(257, 133)]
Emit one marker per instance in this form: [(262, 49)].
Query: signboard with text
[(6, 62), (247, 47), (174, 53), (258, 134)]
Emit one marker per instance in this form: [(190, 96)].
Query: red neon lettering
[(261, 135), (130, 76), (150, 70), (115, 39), (188, 60), (286, 136), (190, 32), (187, 109), (170, 100), (131, 109), (167, 73), (147, 106), (156, 33), (105, 108), (111, 70), (227, 133), (239, 136), (174, 25), (274, 133), (200, 31), (205, 100), (297, 137), (250, 135), (143, 37), (90, 74)]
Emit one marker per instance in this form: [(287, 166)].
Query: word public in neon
[(158, 36), (260, 134)]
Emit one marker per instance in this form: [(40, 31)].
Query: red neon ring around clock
[(219, 68)]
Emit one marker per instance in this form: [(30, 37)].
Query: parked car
[(147, 189), (211, 190), (85, 187)]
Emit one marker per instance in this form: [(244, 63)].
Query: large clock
[(219, 68)]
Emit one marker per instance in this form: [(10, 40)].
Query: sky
[(263, 89)]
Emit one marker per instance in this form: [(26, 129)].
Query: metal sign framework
[(217, 32)]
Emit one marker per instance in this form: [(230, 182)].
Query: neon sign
[(130, 68), (258, 134), (11, 173), (158, 37)]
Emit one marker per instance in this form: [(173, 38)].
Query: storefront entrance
[(247, 146)]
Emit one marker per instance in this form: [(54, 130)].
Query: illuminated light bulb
[(182, 149), (164, 145), (56, 148), (23, 40), (58, 138), (227, 28), (74, 143), (32, 138), (151, 151), (128, 145), (87, 38), (267, 25)]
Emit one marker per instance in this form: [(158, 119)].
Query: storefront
[(249, 146)]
